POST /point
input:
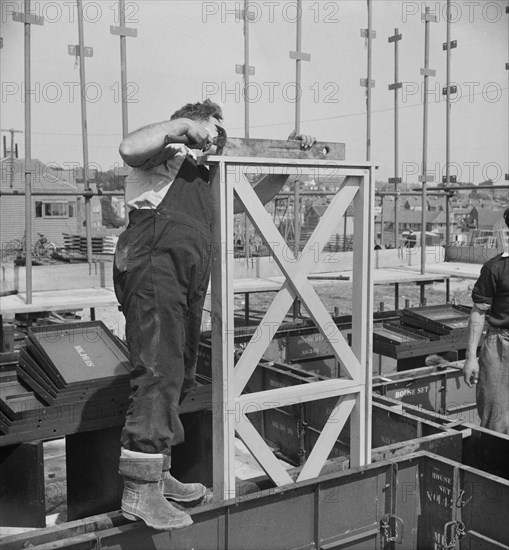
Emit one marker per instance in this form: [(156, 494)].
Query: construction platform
[(89, 298)]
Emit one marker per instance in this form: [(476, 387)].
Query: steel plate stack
[(67, 374)]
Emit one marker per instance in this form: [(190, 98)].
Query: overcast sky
[(187, 50)]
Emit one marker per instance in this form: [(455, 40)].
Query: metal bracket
[(426, 179), (365, 33), (124, 31), (453, 44), (452, 179), (392, 528), (396, 86), (364, 83), (239, 69), (1, 43), (395, 180), (395, 37), (300, 56), (239, 14), (452, 89), (75, 50), (428, 72), (29, 167), (29, 18), (429, 17), (507, 66)]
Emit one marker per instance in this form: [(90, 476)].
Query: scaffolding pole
[(28, 19), (426, 72), (448, 90), (396, 85), (80, 51)]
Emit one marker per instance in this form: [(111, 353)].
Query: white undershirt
[(146, 188)]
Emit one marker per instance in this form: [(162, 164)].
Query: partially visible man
[(161, 273), (491, 371)]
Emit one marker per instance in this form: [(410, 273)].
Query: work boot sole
[(187, 499), (185, 521)]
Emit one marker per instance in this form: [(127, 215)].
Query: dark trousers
[(161, 274), (492, 391)]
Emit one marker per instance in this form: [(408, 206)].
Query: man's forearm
[(475, 330), (143, 144)]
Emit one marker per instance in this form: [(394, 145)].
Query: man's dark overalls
[(161, 274)]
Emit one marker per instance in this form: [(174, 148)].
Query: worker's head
[(506, 217), (200, 111), (207, 113)]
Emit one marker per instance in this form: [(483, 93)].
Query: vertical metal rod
[(382, 221), (298, 67), (123, 69), (296, 199), (296, 235), (246, 68), (448, 122), (28, 159), (368, 97), (84, 133), (425, 145), (345, 221), (396, 138), (247, 250)]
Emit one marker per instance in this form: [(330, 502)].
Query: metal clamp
[(454, 531), (461, 501), (393, 529)]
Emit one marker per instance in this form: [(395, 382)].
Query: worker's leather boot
[(142, 498), (173, 489)]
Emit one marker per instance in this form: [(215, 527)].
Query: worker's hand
[(199, 136), (306, 141), (471, 371)]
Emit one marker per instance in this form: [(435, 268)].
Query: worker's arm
[(475, 330), (149, 145)]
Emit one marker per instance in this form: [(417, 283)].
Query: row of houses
[(55, 210)]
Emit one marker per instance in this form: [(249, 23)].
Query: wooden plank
[(55, 300), (290, 395), (262, 452), (327, 438), (222, 338)]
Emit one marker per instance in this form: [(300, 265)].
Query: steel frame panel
[(229, 380), (429, 497)]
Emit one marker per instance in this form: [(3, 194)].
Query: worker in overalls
[(491, 371), (161, 273)]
